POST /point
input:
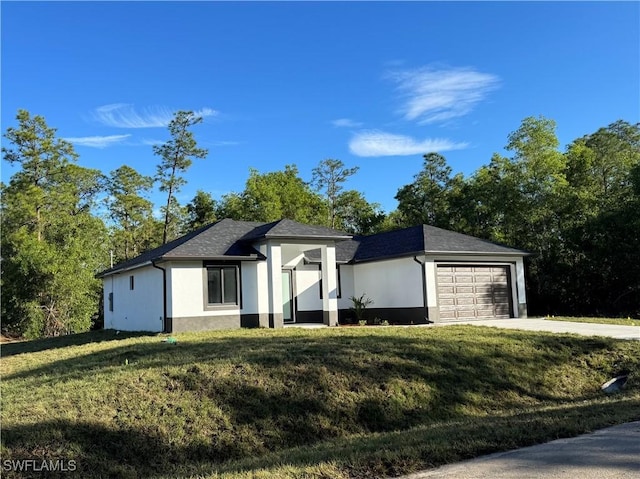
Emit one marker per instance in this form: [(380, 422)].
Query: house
[(232, 274)]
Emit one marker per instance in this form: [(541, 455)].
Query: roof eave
[(250, 257), (110, 271), (305, 237), (482, 253), (425, 252)]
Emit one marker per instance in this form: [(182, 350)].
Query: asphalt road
[(536, 324), (612, 453)]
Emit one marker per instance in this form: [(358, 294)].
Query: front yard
[(332, 403)]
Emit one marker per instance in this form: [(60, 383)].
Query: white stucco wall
[(185, 280), (140, 309), (394, 283), (346, 286), (308, 287)]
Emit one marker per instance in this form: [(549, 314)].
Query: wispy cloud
[(380, 143), (437, 95), (98, 141), (346, 123), (148, 142), (205, 112), (124, 115), (223, 143)]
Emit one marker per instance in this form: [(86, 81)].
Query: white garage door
[(473, 292)]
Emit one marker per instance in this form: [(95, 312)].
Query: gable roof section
[(409, 241), (227, 239)]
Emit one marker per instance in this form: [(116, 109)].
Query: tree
[(426, 200), (329, 176), (41, 157), (355, 215), (273, 196), (129, 210), (598, 165), (601, 244), (52, 245), (176, 157), (200, 211)]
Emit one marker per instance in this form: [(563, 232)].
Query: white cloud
[(223, 143), (124, 115), (147, 142), (437, 95), (205, 112), (98, 141), (345, 123), (380, 143)]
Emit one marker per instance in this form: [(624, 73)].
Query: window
[(110, 301), (222, 285), (131, 283)]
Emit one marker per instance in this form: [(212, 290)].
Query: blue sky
[(374, 84)]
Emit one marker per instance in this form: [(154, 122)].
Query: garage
[(468, 292)]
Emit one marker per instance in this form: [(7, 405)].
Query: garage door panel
[(488, 299), (449, 315), (482, 278), (466, 279), (465, 302), (465, 290), (473, 292)]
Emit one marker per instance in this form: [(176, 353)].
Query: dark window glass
[(214, 285), (230, 285), (222, 285), (131, 282)]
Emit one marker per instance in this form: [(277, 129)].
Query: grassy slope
[(620, 321), (343, 402)]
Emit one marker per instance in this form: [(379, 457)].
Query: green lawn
[(620, 321), (326, 403)]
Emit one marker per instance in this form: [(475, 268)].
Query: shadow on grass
[(36, 345), (101, 451)]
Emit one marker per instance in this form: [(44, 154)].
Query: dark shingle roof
[(413, 240), (228, 238), (291, 229)]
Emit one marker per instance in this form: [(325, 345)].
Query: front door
[(287, 297)]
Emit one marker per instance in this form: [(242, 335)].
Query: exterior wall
[(308, 287), (140, 309), (346, 286), (186, 301), (394, 283), (395, 286)]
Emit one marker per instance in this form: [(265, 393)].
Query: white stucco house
[(233, 274)]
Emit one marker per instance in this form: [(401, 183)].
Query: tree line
[(577, 211)]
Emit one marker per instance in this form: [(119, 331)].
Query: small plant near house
[(384, 323), (362, 322), (359, 306)]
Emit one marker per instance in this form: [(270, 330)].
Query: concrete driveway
[(585, 329), (606, 454)]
